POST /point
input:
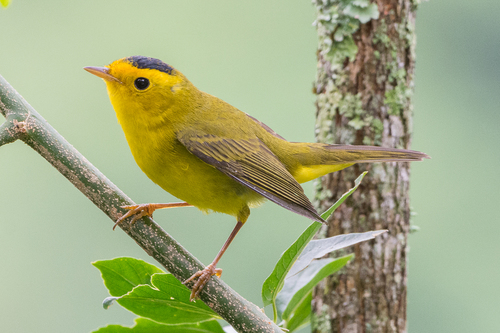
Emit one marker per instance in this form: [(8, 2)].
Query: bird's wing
[(251, 163)]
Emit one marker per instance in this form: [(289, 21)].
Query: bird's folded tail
[(340, 154), (318, 159)]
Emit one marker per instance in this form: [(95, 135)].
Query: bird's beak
[(102, 72)]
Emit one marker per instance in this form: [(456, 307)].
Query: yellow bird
[(213, 156)]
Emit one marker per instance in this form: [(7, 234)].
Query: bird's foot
[(203, 277), (146, 210), (138, 211)]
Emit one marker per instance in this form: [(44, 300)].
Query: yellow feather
[(303, 174)]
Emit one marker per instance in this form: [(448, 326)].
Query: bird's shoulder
[(215, 117)]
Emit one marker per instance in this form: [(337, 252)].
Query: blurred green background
[(260, 57)]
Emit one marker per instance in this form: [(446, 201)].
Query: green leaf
[(319, 247), (121, 275), (148, 292), (275, 281), (344, 196), (143, 325), (362, 13), (167, 302), (297, 287), (4, 3), (301, 315)]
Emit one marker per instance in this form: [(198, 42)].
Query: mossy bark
[(364, 85)]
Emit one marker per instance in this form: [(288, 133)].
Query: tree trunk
[(364, 85)]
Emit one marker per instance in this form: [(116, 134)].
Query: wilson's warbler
[(212, 155)]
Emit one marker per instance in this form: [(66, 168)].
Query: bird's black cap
[(150, 63)]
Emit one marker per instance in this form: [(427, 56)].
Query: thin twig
[(7, 133)]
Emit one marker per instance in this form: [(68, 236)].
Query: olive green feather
[(252, 164)]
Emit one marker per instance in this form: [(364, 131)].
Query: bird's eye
[(141, 83)]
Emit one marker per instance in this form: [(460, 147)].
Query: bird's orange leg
[(146, 210), (204, 275)]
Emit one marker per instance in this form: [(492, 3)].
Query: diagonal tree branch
[(25, 124)]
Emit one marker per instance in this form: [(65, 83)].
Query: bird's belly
[(190, 179)]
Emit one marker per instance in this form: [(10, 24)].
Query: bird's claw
[(203, 277), (137, 210)]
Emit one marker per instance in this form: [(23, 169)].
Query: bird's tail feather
[(341, 154), (318, 159)]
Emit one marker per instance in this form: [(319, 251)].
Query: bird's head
[(142, 87)]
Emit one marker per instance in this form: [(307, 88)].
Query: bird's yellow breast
[(170, 165)]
